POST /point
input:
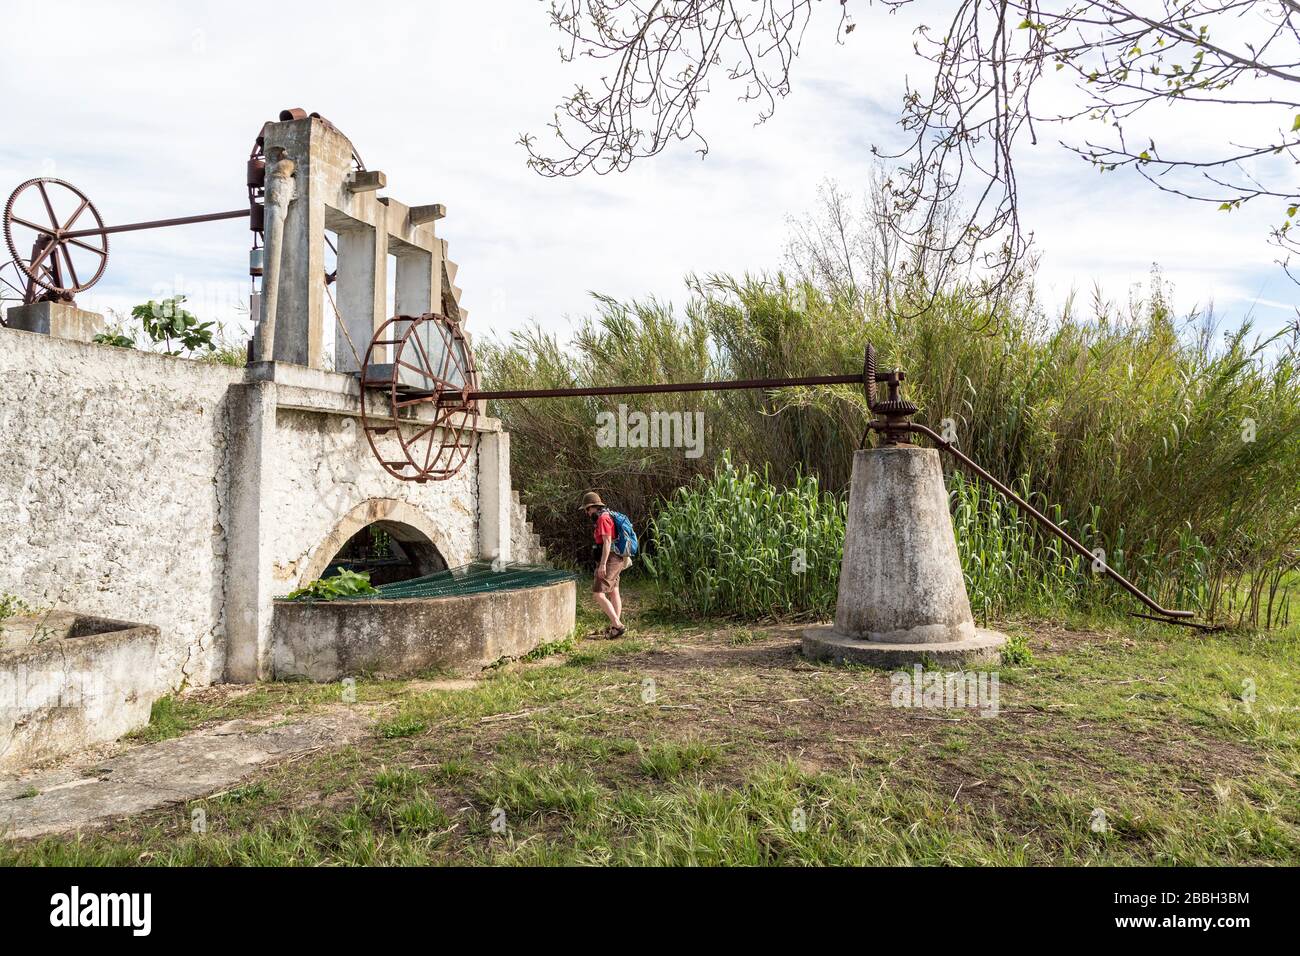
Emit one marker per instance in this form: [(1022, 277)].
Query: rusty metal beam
[(1043, 520), (157, 224), (757, 383)]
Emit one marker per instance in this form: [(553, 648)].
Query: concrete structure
[(327, 194), (69, 681), (328, 640), (188, 495), (62, 320), (191, 496), (902, 599)]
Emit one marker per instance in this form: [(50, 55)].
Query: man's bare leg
[(608, 607), (616, 599)]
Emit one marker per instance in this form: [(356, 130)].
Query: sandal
[(614, 633)]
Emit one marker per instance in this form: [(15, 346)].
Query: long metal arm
[(158, 223), (1043, 520), (475, 396), (894, 425)]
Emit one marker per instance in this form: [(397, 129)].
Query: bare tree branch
[(994, 62)]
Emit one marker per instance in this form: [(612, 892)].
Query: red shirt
[(604, 527)]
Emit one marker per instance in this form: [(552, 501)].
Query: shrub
[(343, 584)]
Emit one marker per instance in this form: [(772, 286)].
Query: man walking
[(615, 543)]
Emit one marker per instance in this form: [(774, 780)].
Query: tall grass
[(738, 545), (1132, 423)]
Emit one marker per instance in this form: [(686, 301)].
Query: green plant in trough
[(344, 584)]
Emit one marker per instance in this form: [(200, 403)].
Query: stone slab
[(177, 770), (826, 644), (62, 320), (71, 681)]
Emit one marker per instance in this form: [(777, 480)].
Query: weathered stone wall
[(323, 469), (188, 496), (112, 486)]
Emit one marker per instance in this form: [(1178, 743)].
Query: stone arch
[(420, 536)]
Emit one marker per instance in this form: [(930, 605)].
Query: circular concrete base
[(824, 644)]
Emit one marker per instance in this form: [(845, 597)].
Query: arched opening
[(392, 539), (388, 551)]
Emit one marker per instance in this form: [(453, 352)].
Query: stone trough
[(405, 637), (70, 681)]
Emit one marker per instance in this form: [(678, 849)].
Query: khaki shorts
[(614, 567)]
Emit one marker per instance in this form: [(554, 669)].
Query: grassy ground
[(719, 744)]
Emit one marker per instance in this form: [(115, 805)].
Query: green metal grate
[(474, 578)]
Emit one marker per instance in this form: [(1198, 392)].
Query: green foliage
[(1130, 426), (670, 759), (114, 338), (224, 352), (402, 725), (641, 342), (173, 330), (11, 605), (1016, 652), (166, 720), (343, 584), (736, 544)]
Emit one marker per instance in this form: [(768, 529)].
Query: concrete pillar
[(415, 282), (62, 320), (494, 498), (279, 195), (361, 292), (300, 297), (902, 598), (248, 583), (300, 308)]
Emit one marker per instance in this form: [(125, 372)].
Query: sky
[(151, 109)]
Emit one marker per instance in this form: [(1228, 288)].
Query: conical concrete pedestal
[(902, 599)]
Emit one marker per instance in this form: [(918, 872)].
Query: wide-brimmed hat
[(589, 499)]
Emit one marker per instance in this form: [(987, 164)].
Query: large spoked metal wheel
[(50, 229), (414, 362)]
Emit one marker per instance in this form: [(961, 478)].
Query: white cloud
[(153, 108)]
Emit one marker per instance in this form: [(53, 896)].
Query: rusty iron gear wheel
[(52, 250), (431, 364)]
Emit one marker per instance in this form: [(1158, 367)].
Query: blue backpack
[(625, 542)]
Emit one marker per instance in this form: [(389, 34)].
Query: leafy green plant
[(165, 323), (1016, 652), (343, 584), (114, 338)]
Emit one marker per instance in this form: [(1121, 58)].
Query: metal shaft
[(1046, 522), (659, 389), (157, 224)]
